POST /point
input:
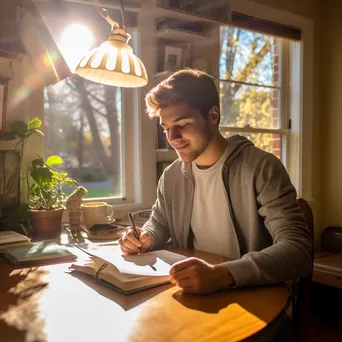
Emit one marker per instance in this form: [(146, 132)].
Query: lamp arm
[(122, 14), (104, 14)]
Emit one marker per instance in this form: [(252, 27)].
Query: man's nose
[(174, 134)]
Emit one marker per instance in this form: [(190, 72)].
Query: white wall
[(331, 113), (305, 8)]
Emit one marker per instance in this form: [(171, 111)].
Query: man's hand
[(130, 245), (197, 276)]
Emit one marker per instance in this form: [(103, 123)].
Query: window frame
[(125, 140), (283, 130), (301, 92)]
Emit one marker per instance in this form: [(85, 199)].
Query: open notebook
[(128, 274)]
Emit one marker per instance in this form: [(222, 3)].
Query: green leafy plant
[(20, 131), (16, 217), (45, 190)]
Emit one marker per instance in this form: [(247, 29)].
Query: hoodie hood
[(236, 144)]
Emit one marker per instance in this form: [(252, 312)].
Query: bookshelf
[(179, 35)]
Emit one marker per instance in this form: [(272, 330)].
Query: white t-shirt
[(211, 221)]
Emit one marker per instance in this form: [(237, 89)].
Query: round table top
[(47, 304)]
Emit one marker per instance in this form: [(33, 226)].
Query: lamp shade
[(113, 63)]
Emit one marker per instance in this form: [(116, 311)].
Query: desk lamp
[(113, 62)]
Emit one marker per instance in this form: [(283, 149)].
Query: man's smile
[(181, 147)]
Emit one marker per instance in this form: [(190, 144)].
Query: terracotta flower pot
[(46, 224)]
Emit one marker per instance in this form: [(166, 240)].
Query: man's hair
[(192, 87)]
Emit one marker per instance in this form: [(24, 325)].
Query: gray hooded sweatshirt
[(274, 240)]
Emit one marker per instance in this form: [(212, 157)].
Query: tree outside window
[(251, 88), (83, 125)]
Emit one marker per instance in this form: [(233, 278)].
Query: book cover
[(9, 236), (5, 246), (10, 239), (38, 251)]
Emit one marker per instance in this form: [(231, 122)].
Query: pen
[(136, 235)]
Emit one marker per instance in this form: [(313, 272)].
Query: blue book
[(38, 251)]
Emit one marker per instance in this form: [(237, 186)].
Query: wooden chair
[(301, 289)]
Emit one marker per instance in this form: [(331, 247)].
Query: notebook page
[(157, 263)]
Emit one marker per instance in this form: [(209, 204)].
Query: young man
[(223, 196)]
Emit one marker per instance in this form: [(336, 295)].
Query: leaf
[(54, 160), (62, 175), (55, 173), (34, 190), (41, 175), (34, 124), (39, 162), (69, 181), (18, 127)]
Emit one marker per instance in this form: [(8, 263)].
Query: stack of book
[(10, 239), (18, 249), (38, 252)]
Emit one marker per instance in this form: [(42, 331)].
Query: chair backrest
[(302, 289)]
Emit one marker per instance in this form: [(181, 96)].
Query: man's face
[(186, 130)]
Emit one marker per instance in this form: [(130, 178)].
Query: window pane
[(269, 142), (83, 126), (249, 57), (243, 106)]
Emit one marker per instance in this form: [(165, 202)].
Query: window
[(253, 88), (90, 125), (83, 123)]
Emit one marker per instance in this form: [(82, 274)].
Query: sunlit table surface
[(45, 303)]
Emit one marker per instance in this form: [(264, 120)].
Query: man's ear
[(214, 115)]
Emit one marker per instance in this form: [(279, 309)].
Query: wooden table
[(46, 304)]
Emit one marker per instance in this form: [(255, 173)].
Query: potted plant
[(44, 183), (46, 195)]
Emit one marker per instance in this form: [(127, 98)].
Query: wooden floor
[(326, 314)]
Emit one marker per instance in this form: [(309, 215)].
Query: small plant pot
[(46, 224)]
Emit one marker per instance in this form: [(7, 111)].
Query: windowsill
[(120, 210)]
